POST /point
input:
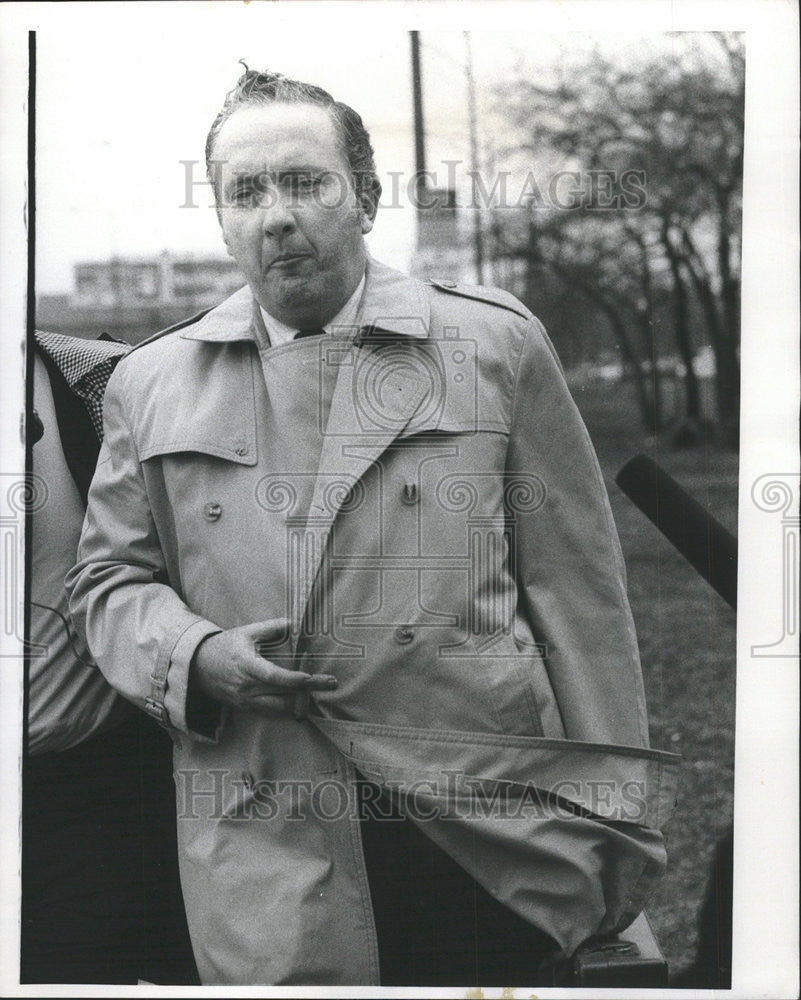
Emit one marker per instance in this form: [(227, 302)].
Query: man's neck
[(281, 333)]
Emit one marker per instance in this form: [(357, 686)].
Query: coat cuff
[(176, 704)]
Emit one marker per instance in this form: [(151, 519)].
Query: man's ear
[(368, 200), (222, 230), (367, 223), (227, 247), (218, 213)]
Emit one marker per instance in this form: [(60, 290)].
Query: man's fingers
[(278, 678), (268, 627), (277, 690), (270, 631), (271, 704)]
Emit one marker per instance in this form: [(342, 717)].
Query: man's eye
[(243, 194), (302, 184)]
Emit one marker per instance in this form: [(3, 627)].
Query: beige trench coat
[(455, 566)]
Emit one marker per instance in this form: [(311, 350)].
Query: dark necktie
[(312, 331)]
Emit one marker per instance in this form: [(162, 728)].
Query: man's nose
[(278, 218)]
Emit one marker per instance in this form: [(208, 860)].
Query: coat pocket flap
[(218, 417), (240, 453)]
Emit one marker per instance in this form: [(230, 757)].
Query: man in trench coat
[(350, 526)]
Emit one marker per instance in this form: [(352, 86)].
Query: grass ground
[(687, 645)]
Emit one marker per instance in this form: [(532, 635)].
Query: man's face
[(289, 214)]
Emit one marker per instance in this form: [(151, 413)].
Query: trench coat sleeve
[(139, 631), (569, 563)]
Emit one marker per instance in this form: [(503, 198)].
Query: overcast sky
[(125, 92), (119, 107)]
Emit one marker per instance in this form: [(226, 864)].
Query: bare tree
[(657, 150)]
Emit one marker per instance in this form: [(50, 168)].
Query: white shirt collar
[(280, 333)]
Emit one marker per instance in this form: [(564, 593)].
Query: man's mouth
[(286, 260)]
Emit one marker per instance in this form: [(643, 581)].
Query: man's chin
[(290, 299)]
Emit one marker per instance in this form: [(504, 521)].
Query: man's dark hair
[(254, 88)]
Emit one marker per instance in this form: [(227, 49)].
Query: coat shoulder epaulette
[(484, 293), (180, 325)]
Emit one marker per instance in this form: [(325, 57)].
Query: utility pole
[(478, 234), (419, 127)]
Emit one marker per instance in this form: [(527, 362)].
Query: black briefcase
[(632, 959)]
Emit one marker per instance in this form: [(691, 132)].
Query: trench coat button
[(404, 634), (241, 449), (212, 511), (410, 494)]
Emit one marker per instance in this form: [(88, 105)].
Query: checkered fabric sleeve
[(86, 366)]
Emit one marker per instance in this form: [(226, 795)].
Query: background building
[(133, 297)]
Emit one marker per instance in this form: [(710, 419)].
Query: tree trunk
[(573, 280), (646, 327), (682, 330), (648, 403), (728, 368)]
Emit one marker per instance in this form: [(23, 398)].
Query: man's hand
[(227, 668)]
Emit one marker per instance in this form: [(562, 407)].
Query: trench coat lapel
[(376, 392), (376, 395)]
